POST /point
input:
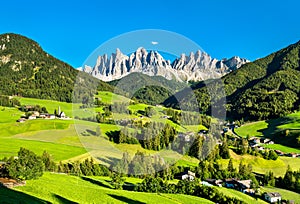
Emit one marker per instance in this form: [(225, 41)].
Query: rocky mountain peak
[(194, 67)]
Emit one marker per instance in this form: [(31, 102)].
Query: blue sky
[(71, 30)]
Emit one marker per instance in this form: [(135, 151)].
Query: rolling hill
[(147, 89)]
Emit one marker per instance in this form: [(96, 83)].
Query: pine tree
[(230, 167), (48, 161), (117, 181), (27, 166)]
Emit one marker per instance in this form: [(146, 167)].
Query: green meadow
[(50, 105), (268, 128), (261, 165), (110, 98), (8, 115), (60, 188), (283, 148), (71, 140), (252, 129), (52, 188)]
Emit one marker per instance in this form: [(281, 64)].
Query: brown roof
[(274, 194), (7, 180)]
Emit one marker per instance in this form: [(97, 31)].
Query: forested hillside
[(147, 89), (266, 88), (27, 70)]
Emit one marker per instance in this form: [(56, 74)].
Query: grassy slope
[(252, 129), (72, 110), (8, 115), (52, 187), (58, 136), (286, 194), (293, 122), (10, 145), (262, 166), (283, 148), (110, 98), (264, 128), (239, 195), (61, 139), (50, 105), (269, 128)]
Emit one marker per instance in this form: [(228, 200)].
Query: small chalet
[(205, 183), (50, 116), (279, 153), (255, 140), (215, 182), (186, 175), (293, 155), (21, 120), (36, 113), (43, 115), (240, 185), (272, 197), (266, 141), (231, 183), (245, 186), (10, 183), (32, 117)]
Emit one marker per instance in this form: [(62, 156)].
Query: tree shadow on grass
[(99, 183), (124, 199), (11, 196), (63, 200), (128, 186)]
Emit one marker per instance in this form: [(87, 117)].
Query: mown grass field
[(58, 188), (8, 115), (292, 122), (286, 194), (187, 161), (10, 143), (110, 98), (50, 105), (261, 165), (10, 147), (252, 129), (283, 148), (276, 129), (267, 128), (63, 140)]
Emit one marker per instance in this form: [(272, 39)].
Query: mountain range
[(263, 89), (195, 67)]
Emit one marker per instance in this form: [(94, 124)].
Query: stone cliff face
[(195, 67)]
